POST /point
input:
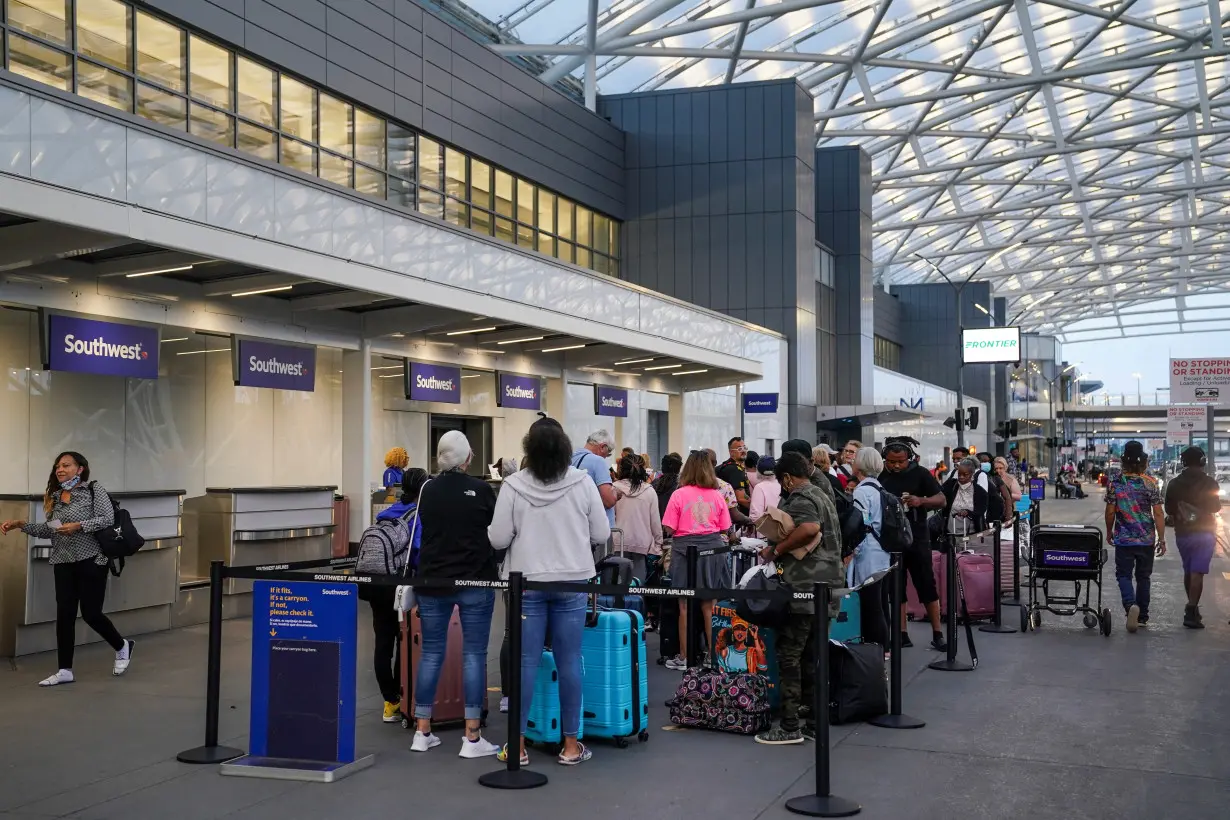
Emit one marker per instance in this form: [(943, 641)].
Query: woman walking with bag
[(75, 508)]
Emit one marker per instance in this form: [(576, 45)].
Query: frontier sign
[(990, 344), (1200, 381)]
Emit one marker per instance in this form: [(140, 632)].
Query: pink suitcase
[(977, 572), (913, 608)]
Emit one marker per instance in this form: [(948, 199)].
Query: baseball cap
[(798, 445), (766, 465)]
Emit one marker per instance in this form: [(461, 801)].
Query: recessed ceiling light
[(471, 375), (664, 367), (389, 367), (194, 352), (472, 330), (691, 372), (398, 335), (520, 341), (391, 376), (558, 349), (160, 270), (262, 290), (636, 361), (600, 369), (176, 339)]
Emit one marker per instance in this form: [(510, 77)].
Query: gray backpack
[(384, 548)]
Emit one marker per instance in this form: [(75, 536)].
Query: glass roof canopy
[(1075, 154)]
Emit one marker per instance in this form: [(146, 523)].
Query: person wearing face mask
[(959, 453), (75, 508), (965, 501)]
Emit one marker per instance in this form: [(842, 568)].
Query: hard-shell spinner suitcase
[(543, 724), (616, 689), (450, 705), (913, 607), (977, 573), (848, 625)]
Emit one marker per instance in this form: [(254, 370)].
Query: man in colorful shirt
[(1136, 528)]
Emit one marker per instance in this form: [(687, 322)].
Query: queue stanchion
[(211, 752), (1015, 599), (692, 618), (512, 776), (950, 663), (997, 621), (823, 803), (895, 719)]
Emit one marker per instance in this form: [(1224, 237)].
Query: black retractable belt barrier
[(211, 752), (1015, 598), (694, 613), (895, 719), (823, 803), (513, 776), (950, 663), (997, 622)]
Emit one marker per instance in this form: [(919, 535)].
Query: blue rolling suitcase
[(847, 627), (542, 725), (616, 690)]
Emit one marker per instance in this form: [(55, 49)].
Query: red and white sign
[(1200, 381), (1183, 421)]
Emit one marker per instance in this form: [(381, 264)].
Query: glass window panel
[(336, 169), (40, 63), (525, 236), (336, 129), (583, 256), (260, 142), (504, 230), (47, 19), (602, 233), (503, 193), (162, 107), (585, 232), (525, 202), (212, 125), (480, 221), (298, 102), (368, 138), (102, 85), (480, 184), (564, 250), (614, 241), (401, 151), (209, 78), (104, 33), (600, 263), (564, 215), (613, 267), (298, 155), (367, 181), (401, 192), (455, 173), (429, 163), (457, 212), (546, 243), (431, 203), (546, 211), (160, 52), (258, 91)]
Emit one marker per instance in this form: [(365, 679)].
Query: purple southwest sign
[(268, 364), (518, 392), (760, 402), (104, 348), (1067, 558), (433, 382), (610, 401)]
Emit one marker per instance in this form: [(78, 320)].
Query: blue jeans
[(564, 612), (1136, 561), (435, 611)]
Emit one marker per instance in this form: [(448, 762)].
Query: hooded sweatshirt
[(636, 514), (548, 529)]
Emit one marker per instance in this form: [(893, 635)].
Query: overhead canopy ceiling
[(1074, 154)]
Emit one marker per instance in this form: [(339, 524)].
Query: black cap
[(798, 445), (1134, 448)]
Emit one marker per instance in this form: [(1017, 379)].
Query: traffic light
[(973, 418)]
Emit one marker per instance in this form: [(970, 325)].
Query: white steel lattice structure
[(1075, 154)]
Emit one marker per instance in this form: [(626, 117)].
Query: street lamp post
[(1139, 395), (1050, 398)]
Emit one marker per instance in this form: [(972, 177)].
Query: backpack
[(896, 533), (120, 540), (384, 548), (995, 501)]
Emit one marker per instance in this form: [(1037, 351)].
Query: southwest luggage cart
[(1066, 553)]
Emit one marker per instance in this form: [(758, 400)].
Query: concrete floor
[(1062, 723)]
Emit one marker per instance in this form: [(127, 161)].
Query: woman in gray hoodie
[(546, 516)]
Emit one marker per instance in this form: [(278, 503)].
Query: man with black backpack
[(919, 492)]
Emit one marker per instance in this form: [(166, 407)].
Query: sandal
[(585, 755), (502, 756)]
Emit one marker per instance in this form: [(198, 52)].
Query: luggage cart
[(1067, 553)]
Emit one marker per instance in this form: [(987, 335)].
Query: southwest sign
[(991, 344), (610, 401), (760, 402), (278, 366), (518, 392), (433, 382), (81, 345)]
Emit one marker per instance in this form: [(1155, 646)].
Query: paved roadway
[(1060, 724)]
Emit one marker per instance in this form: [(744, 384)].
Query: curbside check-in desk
[(139, 601)]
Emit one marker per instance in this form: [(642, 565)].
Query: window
[(212, 125), (160, 52), (455, 173), (298, 155), (503, 193), (480, 184), (45, 19), (431, 203), (456, 212), (163, 108), (430, 164), (401, 151), (103, 32), (102, 85), (336, 127), (369, 138), (585, 232), (210, 77), (367, 181), (258, 92), (564, 219), (258, 141), (887, 354), (546, 211), (298, 104), (37, 62), (336, 169), (525, 202)]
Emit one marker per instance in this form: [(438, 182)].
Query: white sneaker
[(478, 748), (504, 705), (1133, 618), (62, 676), (123, 658), (424, 742), (676, 663)]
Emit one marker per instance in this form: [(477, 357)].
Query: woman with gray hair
[(455, 510), (966, 508), (869, 557)]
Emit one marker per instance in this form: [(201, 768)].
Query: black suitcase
[(857, 689)]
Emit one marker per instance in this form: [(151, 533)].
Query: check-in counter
[(139, 601), (249, 526)]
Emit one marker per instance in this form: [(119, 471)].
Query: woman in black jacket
[(965, 500)]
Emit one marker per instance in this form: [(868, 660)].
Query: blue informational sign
[(518, 392), (268, 364), (760, 402), (1037, 489), (433, 382), (304, 637), (105, 348), (610, 401)]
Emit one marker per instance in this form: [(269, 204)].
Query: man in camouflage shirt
[(813, 514)]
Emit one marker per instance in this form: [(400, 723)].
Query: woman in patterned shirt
[(75, 509)]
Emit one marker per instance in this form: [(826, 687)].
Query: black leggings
[(385, 659), (81, 584), (873, 606)]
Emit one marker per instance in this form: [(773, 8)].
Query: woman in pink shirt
[(696, 518), (767, 492)]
